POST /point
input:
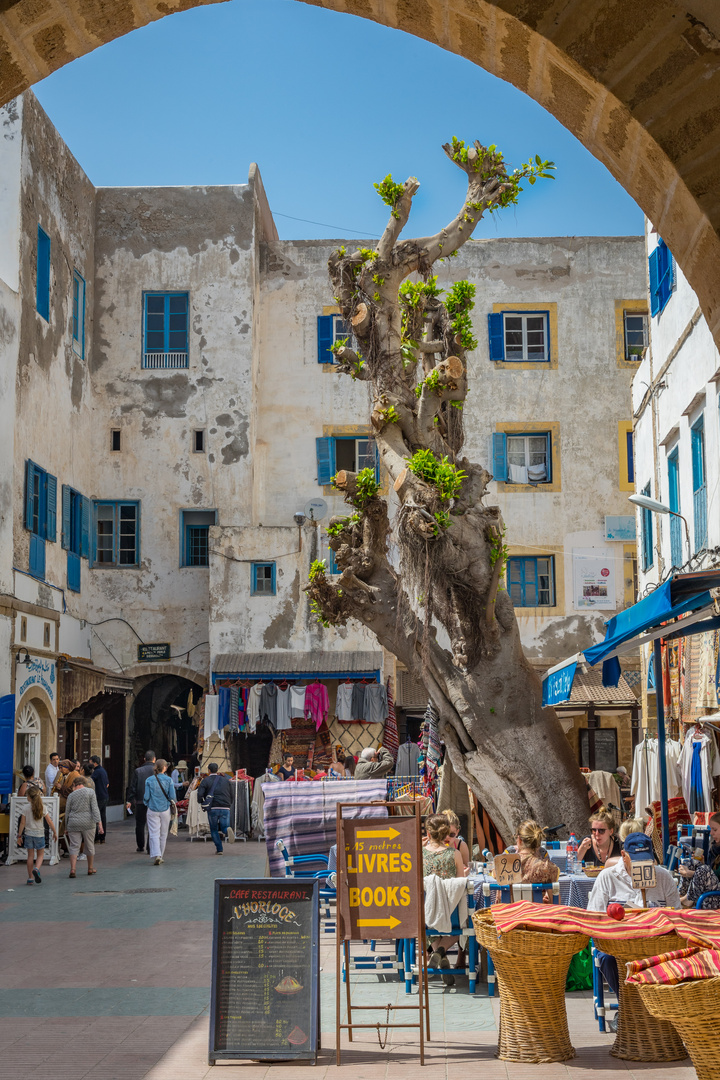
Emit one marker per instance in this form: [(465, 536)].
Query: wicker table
[(692, 1008), (640, 1035), (533, 967)]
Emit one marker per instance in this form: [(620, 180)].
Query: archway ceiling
[(636, 81)]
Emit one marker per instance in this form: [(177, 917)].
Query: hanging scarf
[(431, 738), (391, 741)]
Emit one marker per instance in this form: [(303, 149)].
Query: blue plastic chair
[(298, 865), (703, 896), (533, 893), (599, 990)]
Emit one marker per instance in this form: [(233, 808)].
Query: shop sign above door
[(150, 653), (39, 672)]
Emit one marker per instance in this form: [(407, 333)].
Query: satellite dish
[(315, 510)]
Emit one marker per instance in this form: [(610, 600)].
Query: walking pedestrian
[(31, 832), (102, 794), (159, 799), (30, 780), (215, 797), (136, 799), (81, 818)]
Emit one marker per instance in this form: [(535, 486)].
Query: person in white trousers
[(159, 798)]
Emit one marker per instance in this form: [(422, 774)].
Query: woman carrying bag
[(160, 801)]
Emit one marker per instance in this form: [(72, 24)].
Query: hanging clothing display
[(223, 710), (699, 764), (317, 703), (343, 703), (357, 708), (408, 760), (253, 709), (431, 738), (233, 720), (283, 710), (268, 704), (646, 773), (390, 735), (211, 715), (297, 701), (375, 703)]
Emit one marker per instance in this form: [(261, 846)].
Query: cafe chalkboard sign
[(265, 993)]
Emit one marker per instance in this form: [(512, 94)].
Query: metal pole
[(660, 705)]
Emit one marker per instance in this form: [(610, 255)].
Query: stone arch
[(36, 726), (637, 84), (138, 671)]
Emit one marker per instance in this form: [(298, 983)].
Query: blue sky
[(326, 104)]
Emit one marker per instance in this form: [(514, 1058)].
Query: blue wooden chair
[(599, 1004)]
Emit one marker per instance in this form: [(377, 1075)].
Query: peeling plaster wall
[(11, 150), (200, 241), (53, 409)]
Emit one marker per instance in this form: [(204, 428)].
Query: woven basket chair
[(532, 969), (693, 1009), (640, 1036)]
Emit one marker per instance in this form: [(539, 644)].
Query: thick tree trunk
[(451, 546)]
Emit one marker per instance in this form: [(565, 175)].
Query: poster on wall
[(18, 807), (39, 672), (594, 579)]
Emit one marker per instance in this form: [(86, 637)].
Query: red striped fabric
[(675, 967), (701, 927)]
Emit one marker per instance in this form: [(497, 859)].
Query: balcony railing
[(165, 360)]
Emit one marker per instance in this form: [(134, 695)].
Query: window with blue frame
[(263, 579), (40, 514), (195, 536), (531, 581), (522, 457), (519, 336), (661, 267), (647, 533), (42, 277), (331, 329), (165, 330), (336, 452), (674, 504), (630, 459), (78, 315), (116, 539), (697, 445), (75, 534)]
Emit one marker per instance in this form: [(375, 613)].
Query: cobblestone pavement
[(108, 979)]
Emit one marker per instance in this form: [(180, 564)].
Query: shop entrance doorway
[(162, 719)]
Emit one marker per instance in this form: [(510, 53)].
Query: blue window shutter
[(37, 556), (496, 335), (499, 455), (51, 508), (66, 527), (7, 740), (42, 280), (325, 450), (73, 571), (654, 278), (325, 339), (85, 528), (548, 458), (29, 486), (273, 582), (630, 458)]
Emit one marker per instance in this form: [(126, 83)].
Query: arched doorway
[(638, 85), (162, 718)]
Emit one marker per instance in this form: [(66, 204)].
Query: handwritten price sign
[(508, 869), (643, 875)]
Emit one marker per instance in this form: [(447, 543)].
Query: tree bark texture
[(448, 550)]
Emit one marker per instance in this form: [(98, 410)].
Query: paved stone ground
[(102, 980)]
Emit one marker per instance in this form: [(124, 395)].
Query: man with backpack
[(215, 797)]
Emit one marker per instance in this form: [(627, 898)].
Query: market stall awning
[(83, 682), (299, 664)]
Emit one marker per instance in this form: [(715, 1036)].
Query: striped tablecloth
[(303, 814), (574, 889)]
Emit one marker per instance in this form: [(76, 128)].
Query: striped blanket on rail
[(303, 814), (701, 927)]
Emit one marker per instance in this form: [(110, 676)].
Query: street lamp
[(647, 503)]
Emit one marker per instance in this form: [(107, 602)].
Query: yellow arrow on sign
[(379, 922), (389, 834)]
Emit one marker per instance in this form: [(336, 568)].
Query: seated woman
[(286, 770), (455, 840), (602, 844), (443, 862), (537, 868), (705, 877)]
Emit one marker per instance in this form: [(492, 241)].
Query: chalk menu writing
[(265, 970)]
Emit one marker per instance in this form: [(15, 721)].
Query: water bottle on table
[(571, 854)]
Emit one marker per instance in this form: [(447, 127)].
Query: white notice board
[(18, 806)]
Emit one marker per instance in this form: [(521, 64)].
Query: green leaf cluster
[(432, 381), (412, 292), (336, 527), (459, 304), (440, 472), (367, 488), (499, 550), (318, 570), (317, 612), (390, 193), (390, 415)]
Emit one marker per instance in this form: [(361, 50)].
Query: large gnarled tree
[(448, 547)]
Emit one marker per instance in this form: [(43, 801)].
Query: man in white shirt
[(51, 772), (614, 883)]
